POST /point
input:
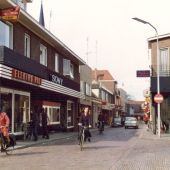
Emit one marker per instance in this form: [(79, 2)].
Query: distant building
[(134, 108)]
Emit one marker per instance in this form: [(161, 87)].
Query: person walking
[(44, 122), (35, 123)]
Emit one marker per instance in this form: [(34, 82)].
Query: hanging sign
[(10, 14)]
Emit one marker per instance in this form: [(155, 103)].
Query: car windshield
[(117, 119), (131, 118)]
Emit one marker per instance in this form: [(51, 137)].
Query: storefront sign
[(56, 79), (10, 14), (26, 77)]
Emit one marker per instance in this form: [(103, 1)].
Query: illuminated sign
[(56, 79), (10, 14), (26, 77)]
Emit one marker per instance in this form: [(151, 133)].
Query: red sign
[(26, 77), (10, 14), (158, 98), (143, 73)]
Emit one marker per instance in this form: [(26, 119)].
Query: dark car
[(117, 122)]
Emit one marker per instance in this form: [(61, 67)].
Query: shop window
[(53, 113), (6, 34), (70, 114)]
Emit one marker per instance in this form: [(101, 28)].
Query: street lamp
[(158, 76)]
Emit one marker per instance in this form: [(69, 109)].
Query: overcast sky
[(121, 42)]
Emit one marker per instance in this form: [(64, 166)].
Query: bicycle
[(81, 135), (6, 146), (100, 127)]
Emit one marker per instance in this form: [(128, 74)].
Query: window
[(88, 89), (43, 55), (53, 113), (71, 71), (164, 62), (82, 88), (103, 95), (56, 62), (27, 46), (68, 68), (6, 34)]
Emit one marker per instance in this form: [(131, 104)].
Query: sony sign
[(56, 79)]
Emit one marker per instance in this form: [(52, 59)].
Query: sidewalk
[(53, 137)]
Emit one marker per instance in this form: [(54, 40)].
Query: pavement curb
[(27, 145)]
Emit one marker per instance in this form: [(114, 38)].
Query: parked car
[(131, 122), (117, 122)]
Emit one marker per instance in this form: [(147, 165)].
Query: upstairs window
[(43, 55), (164, 62), (68, 68), (27, 46), (56, 62), (6, 34)]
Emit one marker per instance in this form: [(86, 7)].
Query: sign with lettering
[(10, 14), (56, 79), (20, 75), (143, 73)]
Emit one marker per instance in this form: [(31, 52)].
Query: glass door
[(70, 114), (21, 112)]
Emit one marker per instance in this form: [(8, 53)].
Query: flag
[(41, 18)]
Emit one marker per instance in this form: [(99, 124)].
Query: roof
[(133, 102), (29, 22), (159, 37), (102, 75)]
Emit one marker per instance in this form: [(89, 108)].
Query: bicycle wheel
[(81, 141), (5, 148)]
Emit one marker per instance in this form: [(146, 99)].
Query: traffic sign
[(158, 98)]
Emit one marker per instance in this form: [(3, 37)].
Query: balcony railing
[(164, 71)]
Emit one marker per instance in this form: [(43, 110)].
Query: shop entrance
[(17, 105)]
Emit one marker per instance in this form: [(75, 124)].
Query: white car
[(131, 122)]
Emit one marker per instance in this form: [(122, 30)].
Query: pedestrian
[(44, 122), (35, 123)]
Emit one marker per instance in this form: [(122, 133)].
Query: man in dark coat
[(44, 121)]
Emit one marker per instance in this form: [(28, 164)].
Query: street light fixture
[(158, 76)]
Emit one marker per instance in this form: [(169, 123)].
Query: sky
[(115, 41)]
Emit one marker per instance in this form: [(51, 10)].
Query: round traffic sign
[(158, 98)]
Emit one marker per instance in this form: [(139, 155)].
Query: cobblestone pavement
[(148, 153), (116, 149)]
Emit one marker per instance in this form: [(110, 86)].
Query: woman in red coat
[(4, 125)]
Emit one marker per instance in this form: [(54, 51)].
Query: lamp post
[(158, 76)]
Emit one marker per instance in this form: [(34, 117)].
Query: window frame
[(43, 55), (10, 43), (27, 45), (56, 62)]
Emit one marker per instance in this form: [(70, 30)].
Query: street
[(116, 149)]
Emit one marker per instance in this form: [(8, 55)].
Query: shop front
[(20, 92)]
